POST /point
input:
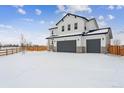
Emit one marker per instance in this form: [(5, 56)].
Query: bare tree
[(23, 43), (0, 45), (116, 42), (30, 44), (23, 40)]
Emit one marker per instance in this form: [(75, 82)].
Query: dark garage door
[(66, 46), (94, 46)]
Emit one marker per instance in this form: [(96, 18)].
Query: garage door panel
[(94, 46), (66, 46)]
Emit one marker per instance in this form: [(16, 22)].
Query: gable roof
[(53, 28), (95, 21), (72, 15), (100, 31)]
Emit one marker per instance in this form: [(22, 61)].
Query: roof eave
[(53, 28), (72, 15)]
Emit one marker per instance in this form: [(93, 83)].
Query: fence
[(116, 50), (4, 52), (36, 48)]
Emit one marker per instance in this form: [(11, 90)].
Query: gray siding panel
[(66, 46), (93, 46)]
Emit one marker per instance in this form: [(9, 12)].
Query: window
[(62, 28), (85, 28), (76, 26), (52, 32), (69, 27), (52, 42)]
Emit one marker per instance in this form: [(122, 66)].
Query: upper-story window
[(76, 26), (69, 27), (85, 28), (62, 28), (52, 33)]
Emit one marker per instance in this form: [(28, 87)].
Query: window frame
[(52, 32), (85, 28), (63, 28), (75, 26), (69, 27)]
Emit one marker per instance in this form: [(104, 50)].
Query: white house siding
[(100, 36), (90, 25), (71, 20), (54, 31), (50, 46), (108, 41)]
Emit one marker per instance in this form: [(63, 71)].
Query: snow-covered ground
[(48, 69)]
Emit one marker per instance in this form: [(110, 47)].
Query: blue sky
[(33, 21)]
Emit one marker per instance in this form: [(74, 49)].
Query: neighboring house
[(75, 33)]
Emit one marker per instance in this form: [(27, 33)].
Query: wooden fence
[(116, 50), (4, 52), (36, 48)]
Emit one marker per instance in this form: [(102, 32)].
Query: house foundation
[(104, 50), (79, 49)]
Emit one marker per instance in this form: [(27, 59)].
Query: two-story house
[(75, 33)]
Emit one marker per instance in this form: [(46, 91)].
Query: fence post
[(16, 50), (20, 49), (12, 51), (6, 52)]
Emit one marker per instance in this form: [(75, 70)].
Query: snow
[(98, 31), (50, 69)]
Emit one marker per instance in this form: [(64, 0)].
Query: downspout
[(82, 37)]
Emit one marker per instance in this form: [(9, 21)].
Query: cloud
[(3, 26), (79, 8), (38, 12), (28, 19), (18, 6), (42, 21), (101, 21), (111, 7), (73, 8), (100, 17), (11, 37), (111, 17), (51, 22), (8, 34), (21, 11), (38, 38), (90, 17), (119, 6), (61, 8)]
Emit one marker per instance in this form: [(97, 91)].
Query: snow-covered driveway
[(48, 69)]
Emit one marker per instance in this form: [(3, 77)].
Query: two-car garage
[(92, 46)]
